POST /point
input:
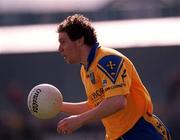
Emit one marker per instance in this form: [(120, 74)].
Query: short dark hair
[(77, 26)]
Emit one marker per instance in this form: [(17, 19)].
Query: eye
[(62, 42)]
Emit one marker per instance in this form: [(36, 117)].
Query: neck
[(85, 50)]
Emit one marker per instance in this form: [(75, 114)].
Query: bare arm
[(74, 108), (104, 109)]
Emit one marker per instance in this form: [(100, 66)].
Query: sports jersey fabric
[(109, 73)]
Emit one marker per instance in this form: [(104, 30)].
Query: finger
[(60, 129), (67, 132), (63, 129), (62, 123), (64, 132)]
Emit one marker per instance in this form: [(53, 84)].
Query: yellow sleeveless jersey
[(108, 74)]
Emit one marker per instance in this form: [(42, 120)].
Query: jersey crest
[(111, 66), (92, 77)]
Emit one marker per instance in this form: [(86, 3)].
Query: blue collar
[(92, 55)]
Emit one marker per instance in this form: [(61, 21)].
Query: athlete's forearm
[(74, 108), (104, 109)]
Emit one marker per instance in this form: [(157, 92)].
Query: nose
[(60, 49)]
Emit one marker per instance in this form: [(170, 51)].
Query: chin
[(69, 62), (72, 62)]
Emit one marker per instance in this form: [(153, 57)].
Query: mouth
[(64, 56), (66, 59)]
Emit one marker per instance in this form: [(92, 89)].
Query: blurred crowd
[(171, 108), (16, 122)]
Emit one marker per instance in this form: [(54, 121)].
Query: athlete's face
[(69, 49)]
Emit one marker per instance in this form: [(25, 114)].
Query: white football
[(44, 101)]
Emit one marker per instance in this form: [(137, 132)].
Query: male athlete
[(115, 93)]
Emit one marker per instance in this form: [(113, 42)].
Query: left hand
[(69, 124)]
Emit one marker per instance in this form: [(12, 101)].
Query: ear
[(80, 41)]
